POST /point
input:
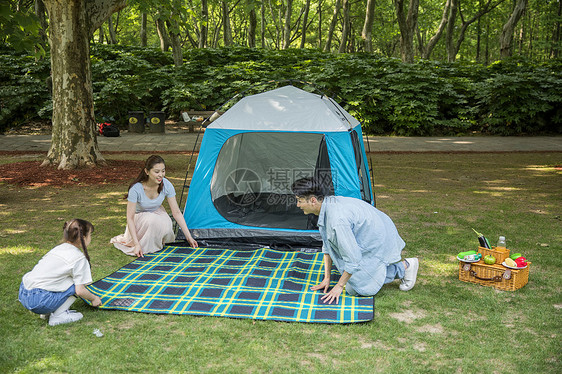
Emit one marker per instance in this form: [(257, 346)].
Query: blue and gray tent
[(250, 156)]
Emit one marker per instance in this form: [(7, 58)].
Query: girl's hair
[(77, 229), (143, 177)]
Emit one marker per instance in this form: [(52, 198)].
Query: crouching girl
[(50, 288)]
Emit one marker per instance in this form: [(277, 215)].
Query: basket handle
[(497, 278)]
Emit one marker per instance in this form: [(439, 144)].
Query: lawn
[(443, 325)]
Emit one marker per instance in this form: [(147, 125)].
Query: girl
[(149, 226), (62, 273)]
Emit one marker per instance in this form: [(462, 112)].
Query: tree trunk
[(435, 38), (162, 34), (305, 23), (252, 29), (346, 27), (328, 44), (227, 31), (506, 38), (71, 24), (450, 39), (407, 22), (204, 29), (112, 36), (177, 54), (555, 49), (40, 13), (143, 37), (320, 24), (287, 25), (367, 32)]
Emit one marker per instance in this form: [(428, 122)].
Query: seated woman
[(149, 226)]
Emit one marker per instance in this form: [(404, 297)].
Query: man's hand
[(334, 294), (325, 284)]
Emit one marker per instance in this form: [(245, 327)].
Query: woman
[(148, 225)]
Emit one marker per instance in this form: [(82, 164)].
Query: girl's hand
[(96, 302), (138, 251)]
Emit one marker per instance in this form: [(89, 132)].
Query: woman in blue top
[(149, 226)]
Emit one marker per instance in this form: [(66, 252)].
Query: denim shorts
[(41, 301)]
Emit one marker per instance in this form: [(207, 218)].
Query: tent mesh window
[(252, 179)]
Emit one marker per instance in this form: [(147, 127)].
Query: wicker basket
[(499, 253), (497, 276)]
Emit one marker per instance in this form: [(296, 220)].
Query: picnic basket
[(496, 275)]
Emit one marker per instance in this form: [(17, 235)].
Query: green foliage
[(23, 88), (427, 98)]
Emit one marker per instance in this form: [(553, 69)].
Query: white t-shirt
[(144, 204), (59, 269)]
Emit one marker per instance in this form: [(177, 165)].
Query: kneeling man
[(359, 239)]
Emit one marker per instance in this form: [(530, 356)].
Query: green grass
[(443, 325)]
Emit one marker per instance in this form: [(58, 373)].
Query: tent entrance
[(251, 183)]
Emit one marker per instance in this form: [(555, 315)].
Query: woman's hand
[(334, 294), (96, 302), (192, 242), (324, 284), (137, 250)]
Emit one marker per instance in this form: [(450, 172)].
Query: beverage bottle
[(501, 243)]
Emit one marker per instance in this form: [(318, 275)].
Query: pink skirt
[(154, 229)]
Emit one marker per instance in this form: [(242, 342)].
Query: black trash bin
[(136, 122), (157, 121)]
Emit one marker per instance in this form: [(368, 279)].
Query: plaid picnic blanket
[(262, 284)]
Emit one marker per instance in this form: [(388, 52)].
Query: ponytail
[(75, 230)]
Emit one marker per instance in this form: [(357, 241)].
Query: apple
[(489, 259)]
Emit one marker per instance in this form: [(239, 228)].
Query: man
[(359, 239)]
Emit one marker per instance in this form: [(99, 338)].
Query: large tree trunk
[(367, 32), (407, 22), (328, 44), (71, 24), (506, 38), (143, 35)]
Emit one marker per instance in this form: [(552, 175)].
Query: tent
[(251, 155)]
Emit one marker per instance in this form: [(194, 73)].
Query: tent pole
[(371, 169)]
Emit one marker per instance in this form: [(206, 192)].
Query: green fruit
[(489, 259), (515, 256), (467, 253)]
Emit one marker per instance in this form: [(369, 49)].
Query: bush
[(427, 98)]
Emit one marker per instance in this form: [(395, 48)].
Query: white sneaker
[(67, 316), (409, 280)]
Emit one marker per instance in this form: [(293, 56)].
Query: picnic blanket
[(262, 284)]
